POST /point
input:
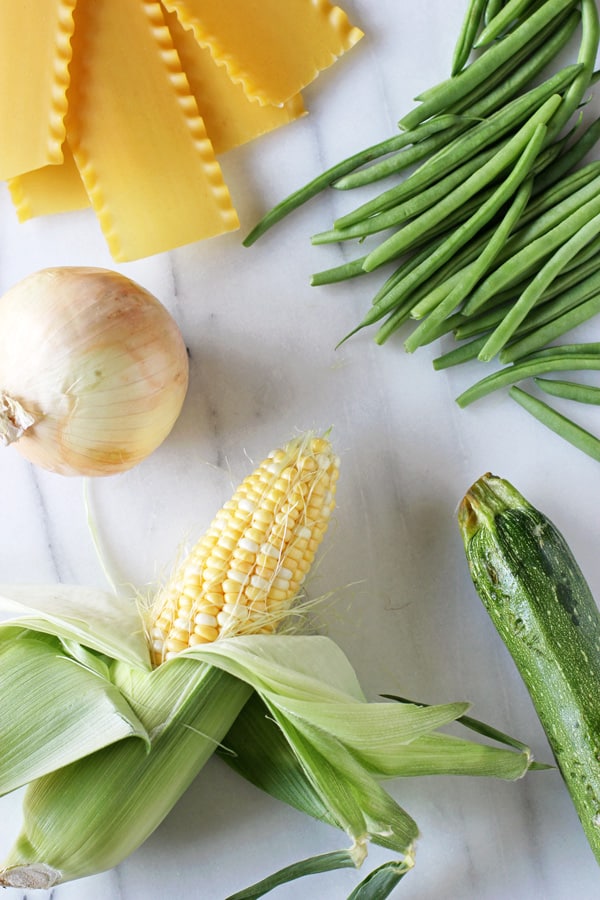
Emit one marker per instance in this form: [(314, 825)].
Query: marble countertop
[(263, 365)]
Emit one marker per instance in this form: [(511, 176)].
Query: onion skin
[(98, 362)]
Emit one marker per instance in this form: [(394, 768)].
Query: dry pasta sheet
[(127, 105)]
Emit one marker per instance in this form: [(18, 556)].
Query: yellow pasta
[(273, 48), (230, 117), (139, 142), (51, 189), (124, 105), (34, 76)]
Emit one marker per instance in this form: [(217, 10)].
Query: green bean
[(550, 154), (559, 424), (588, 50), (460, 149), (426, 305), (388, 284), (470, 252), (437, 98), (429, 326), (445, 228), (406, 266), (431, 291), (467, 209), (393, 323), (531, 255), (405, 190), (582, 265), (492, 9), (447, 326), (558, 362), (339, 273), (318, 184), (437, 286), (458, 355), (566, 351), (412, 152), (543, 219), (390, 302), (436, 291), (569, 294), (504, 18), (586, 142), (468, 32), (419, 252), (477, 269), (472, 326), (575, 271), (570, 390), (409, 208), (433, 325), (549, 271), (511, 77), (552, 330), (536, 5), (421, 200), (553, 305), (504, 118), (388, 328), (548, 196), (513, 112), (501, 160), (355, 267), (575, 276)]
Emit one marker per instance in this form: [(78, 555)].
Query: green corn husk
[(180, 712), (134, 787), (86, 709), (327, 752)]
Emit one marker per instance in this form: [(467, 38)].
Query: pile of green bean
[(493, 235)]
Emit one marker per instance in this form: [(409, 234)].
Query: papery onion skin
[(99, 363)]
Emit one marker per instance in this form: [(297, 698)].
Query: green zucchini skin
[(543, 609)]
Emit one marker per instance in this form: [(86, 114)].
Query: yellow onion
[(93, 371)]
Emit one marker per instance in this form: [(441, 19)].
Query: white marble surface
[(263, 365)]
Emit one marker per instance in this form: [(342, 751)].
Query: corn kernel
[(249, 565), (173, 645), (205, 619)]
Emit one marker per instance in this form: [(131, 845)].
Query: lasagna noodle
[(137, 137), (51, 189), (230, 117), (273, 48), (35, 50)]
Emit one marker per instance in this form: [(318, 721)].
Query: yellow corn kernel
[(246, 580), (204, 633)]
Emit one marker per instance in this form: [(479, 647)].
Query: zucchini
[(544, 611)]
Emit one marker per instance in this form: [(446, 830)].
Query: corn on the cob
[(308, 735), (244, 572), (240, 578)]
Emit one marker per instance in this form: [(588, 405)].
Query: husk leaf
[(105, 622), (54, 710), (89, 816), (327, 747)]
